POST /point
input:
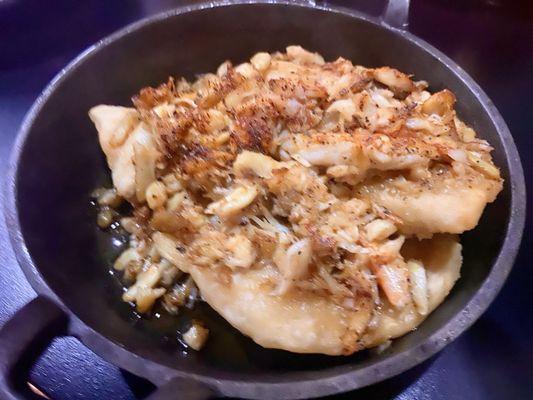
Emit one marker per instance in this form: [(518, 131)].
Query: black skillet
[(57, 162)]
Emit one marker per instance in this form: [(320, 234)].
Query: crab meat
[(196, 336), (376, 109), (379, 229), (261, 61), (293, 263), (168, 247), (304, 57), (241, 252), (393, 279), (143, 292), (440, 103), (418, 282), (345, 108), (396, 80), (329, 154), (239, 198), (249, 162)]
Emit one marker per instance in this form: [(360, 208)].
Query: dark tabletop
[(492, 40)]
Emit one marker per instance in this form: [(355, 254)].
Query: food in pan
[(315, 205)]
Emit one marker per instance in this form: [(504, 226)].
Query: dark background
[(491, 39)]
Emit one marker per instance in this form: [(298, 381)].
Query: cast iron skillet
[(57, 162)]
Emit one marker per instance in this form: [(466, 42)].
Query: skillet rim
[(329, 382)]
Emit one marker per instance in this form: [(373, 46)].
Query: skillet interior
[(61, 163)]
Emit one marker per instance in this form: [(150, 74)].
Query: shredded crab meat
[(299, 194), (238, 198), (293, 262)]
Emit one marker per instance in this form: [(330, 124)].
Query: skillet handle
[(30, 331), (23, 339), (396, 14)]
